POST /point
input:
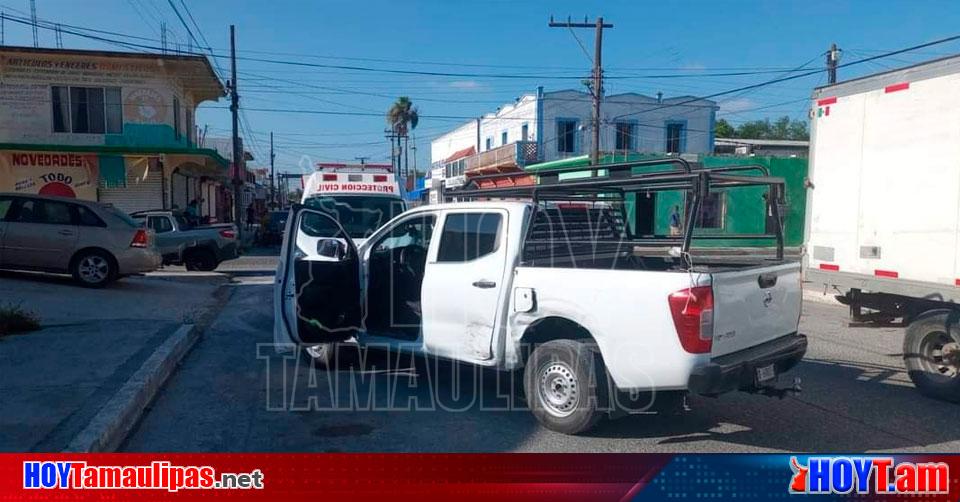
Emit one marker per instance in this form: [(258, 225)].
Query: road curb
[(107, 430)]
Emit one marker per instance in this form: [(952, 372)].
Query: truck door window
[(468, 236), (160, 224)]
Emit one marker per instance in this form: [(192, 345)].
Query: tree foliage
[(781, 128), (402, 117)]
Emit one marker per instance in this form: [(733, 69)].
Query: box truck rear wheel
[(931, 352)]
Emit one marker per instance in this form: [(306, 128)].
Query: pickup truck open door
[(317, 298)]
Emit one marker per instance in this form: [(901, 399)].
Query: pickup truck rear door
[(464, 285), (754, 305), (317, 295)]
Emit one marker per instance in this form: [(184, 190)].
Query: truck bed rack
[(611, 182)]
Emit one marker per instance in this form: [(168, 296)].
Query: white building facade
[(560, 124)]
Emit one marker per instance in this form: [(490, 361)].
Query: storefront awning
[(205, 156)]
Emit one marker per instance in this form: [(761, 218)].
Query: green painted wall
[(745, 206), (140, 135)]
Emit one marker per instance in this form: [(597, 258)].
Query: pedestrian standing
[(251, 216), (675, 221)]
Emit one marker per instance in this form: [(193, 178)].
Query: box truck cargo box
[(884, 206)]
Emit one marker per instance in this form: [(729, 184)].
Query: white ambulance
[(361, 197)]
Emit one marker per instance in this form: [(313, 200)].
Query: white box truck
[(883, 211)]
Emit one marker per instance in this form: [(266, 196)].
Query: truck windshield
[(358, 214)]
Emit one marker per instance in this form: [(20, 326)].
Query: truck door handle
[(484, 284), (65, 232)]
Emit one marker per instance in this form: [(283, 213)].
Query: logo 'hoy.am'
[(879, 475)]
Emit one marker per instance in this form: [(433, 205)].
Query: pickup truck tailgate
[(754, 305)]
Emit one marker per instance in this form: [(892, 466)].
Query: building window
[(711, 211), (455, 168), (676, 137), (176, 119), (626, 136), (489, 143), (90, 110), (524, 132), (566, 136), (503, 138)]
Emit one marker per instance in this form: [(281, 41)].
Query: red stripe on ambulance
[(826, 101), (828, 266), (886, 273)]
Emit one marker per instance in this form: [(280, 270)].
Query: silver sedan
[(93, 242)]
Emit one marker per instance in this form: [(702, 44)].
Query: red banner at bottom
[(554, 477)]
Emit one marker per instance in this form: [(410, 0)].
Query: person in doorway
[(675, 221), (193, 212), (251, 216)]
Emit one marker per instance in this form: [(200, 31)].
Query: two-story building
[(115, 127), (547, 126)]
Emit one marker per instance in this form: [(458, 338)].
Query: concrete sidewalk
[(56, 380)]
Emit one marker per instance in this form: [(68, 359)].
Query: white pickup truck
[(557, 290)]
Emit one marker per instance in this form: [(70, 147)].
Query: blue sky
[(502, 37)]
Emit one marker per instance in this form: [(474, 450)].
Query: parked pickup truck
[(559, 290), (201, 247)]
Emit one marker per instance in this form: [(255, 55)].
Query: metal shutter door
[(140, 194)]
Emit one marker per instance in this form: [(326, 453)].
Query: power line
[(394, 71), (812, 72)]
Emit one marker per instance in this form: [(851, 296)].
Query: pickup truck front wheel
[(565, 385)]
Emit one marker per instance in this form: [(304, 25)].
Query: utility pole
[(597, 90), (391, 135), (833, 58), (273, 178), (33, 19), (163, 37), (479, 119), (3, 18), (414, 148), (406, 156), (237, 148)]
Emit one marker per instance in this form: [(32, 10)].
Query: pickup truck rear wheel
[(200, 259), (931, 353), (565, 385)]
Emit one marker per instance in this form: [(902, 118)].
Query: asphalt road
[(233, 393)]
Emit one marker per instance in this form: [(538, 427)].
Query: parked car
[(94, 242), (561, 290), (197, 247), (272, 232)]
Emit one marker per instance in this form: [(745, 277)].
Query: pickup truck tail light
[(139, 239), (692, 311), (228, 234)]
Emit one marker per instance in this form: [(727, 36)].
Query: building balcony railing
[(513, 155)]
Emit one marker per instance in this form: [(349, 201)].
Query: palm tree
[(402, 117)]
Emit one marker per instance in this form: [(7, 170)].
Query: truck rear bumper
[(738, 371)]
